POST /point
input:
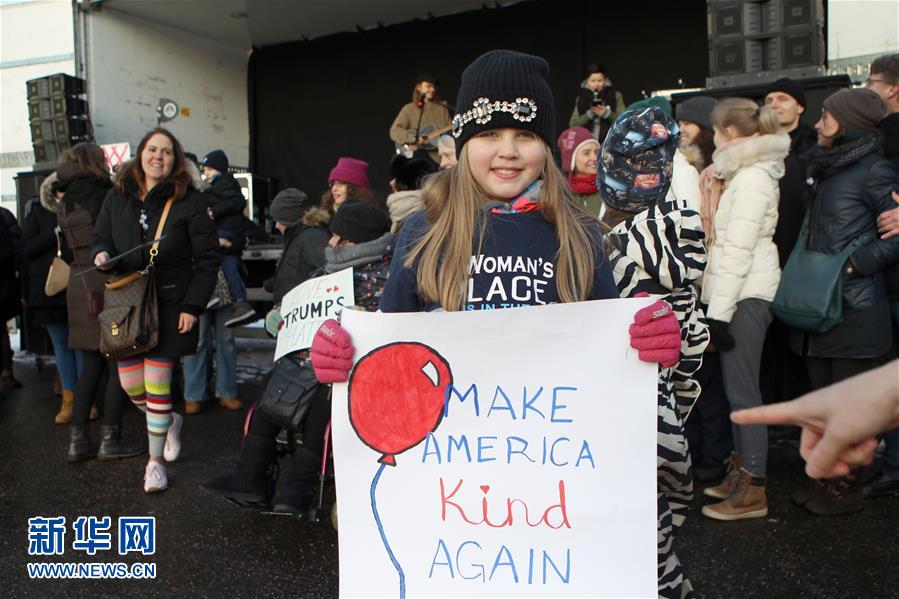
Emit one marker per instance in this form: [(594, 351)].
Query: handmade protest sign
[(308, 305), (498, 453)]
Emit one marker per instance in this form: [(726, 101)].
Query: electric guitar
[(429, 133)]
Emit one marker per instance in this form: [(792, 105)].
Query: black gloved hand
[(721, 337)]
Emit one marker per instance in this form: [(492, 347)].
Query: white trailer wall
[(131, 63)]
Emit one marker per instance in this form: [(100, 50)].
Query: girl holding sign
[(501, 229)]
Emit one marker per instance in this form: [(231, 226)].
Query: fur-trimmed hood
[(694, 156), (763, 151), (316, 217), (48, 198)]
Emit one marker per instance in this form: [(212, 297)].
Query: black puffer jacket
[(845, 204), (188, 260), (226, 203), (304, 252)]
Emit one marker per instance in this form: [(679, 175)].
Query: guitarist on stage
[(425, 113)]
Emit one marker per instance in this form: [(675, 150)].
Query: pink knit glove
[(655, 334), (331, 353)]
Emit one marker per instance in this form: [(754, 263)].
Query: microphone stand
[(421, 114)]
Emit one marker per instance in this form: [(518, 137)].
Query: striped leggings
[(148, 382)]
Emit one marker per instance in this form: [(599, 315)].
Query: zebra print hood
[(658, 250)]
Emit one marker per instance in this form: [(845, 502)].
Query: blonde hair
[(454, 205), (745, 116)]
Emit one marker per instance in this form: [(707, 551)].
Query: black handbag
[(289, 392), (129, 322)]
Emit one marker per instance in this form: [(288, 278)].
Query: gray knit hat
[(697, 110), (288, 206), (859, 108)]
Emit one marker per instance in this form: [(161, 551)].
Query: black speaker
[(749, 39), (58, 116), (734, 18)]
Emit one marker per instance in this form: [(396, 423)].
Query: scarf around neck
[(582, 185), (848, 148), (357, 254), (528, 201)]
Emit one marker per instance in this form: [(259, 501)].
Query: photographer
[(598, 103)]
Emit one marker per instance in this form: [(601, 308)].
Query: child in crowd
[(360, 240), (225, 206), (506, 191), (580, 153), (657, 248)]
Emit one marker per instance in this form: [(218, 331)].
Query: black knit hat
[(790, 87), (409, 172), (503, 88), (216, 159), (359, 221)]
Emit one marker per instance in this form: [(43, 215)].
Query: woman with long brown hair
[(82, 184), (185, 273)]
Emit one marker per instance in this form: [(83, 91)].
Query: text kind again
[(505, 515)]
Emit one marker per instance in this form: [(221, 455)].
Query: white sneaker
[(155, 479), (173, 439)]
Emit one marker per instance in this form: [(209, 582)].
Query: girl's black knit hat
[(504, 88)]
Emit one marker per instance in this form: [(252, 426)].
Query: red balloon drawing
[(396, 396)]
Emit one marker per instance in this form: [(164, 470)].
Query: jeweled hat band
[(522, 109)]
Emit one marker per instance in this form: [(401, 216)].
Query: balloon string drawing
[(396, 396)]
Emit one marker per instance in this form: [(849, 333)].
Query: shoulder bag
[(129, 322), (58, 275), (289, 392), (810, 295)]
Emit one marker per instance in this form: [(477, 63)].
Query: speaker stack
[(760, 40), (58, 114)]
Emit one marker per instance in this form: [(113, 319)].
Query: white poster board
[(309, 304), (524, 443)]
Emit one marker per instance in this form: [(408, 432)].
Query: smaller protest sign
[(308, 305), (116, 153)]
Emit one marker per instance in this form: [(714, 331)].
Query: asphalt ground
[(207, 547)]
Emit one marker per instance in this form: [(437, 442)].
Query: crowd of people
[(724, 211)]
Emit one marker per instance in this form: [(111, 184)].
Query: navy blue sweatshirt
[(515, 267)]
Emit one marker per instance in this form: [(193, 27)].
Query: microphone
[(421, 100)]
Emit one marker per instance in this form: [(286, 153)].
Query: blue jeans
[(195, 366), (68, 361), (231, 270)]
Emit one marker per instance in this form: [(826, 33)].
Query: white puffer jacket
[(743, 261)]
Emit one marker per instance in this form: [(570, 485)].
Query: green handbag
[(810, 295)]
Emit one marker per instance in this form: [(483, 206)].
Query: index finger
[(787, 412)]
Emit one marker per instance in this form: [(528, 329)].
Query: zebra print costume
[(661, 252)]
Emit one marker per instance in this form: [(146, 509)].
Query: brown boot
[(723, 489), (231, 403), (841, 496), (65, 409), (192, 406), (748, 500)]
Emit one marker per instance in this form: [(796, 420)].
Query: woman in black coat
[(78, 193), (40, 243), (852, 185), (185, 272)]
